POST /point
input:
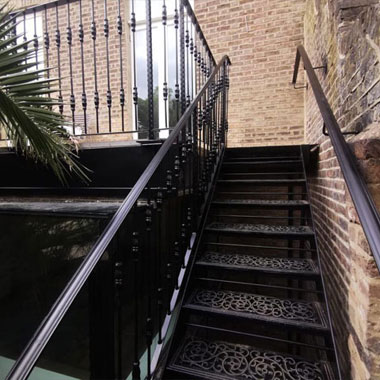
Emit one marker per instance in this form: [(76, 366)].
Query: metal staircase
[(255, 306)]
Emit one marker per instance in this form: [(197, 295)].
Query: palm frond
[(27, 107)]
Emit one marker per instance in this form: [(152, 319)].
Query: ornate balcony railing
[(123, 67)]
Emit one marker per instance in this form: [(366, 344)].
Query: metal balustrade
[(123, 67), (138, 266)]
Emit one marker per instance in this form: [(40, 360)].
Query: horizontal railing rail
[(122, 67), (361, 197), (190, 155)]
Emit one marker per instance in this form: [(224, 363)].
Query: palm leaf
[(27, 107)]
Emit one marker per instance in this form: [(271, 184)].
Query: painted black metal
[(180, 198), (193, 60), (149, 70), (361, 197)]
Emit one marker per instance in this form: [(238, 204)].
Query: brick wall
[(261, 38), (345, 34)]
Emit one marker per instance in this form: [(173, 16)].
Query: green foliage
[(27, 106)]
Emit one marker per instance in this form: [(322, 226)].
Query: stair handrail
[(26, 361), (361, 197)]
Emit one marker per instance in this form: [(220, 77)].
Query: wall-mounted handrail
[(361, 197), (215, 86)]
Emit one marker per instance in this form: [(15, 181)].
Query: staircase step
[(267, 203), (260, 229), (237, 261), (261, 158), (264, 162), (299, 314), (203, 358), (262, 181)]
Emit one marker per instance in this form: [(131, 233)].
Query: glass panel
[(38, 256)]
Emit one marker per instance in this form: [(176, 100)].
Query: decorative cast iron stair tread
[(264, 162), (261, 158), (238, 261), (300, 314), (262, 181), (261, 202), (266, 229), (220, 360)]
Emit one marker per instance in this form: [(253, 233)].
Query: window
[(164, 67)]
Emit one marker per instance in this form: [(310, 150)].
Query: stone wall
[(345, 34), (261, 38)]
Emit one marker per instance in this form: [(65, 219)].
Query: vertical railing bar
[(187, 42), (58, 45), (46, 45), (150, 89), (176, 22), (81, 41), (135, 96), (35, 37), (165, 84), (69, 36), (122, 92), (148, 278), (191, 59), (109, 94), (136, 295), (182, 56), (96, 92)]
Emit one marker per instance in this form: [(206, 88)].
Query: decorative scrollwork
[(254, 304), (265, 228), (222, 360), (250, 261), (264, 202)]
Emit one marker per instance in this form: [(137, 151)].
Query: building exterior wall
[(345, 34), (261, 38)]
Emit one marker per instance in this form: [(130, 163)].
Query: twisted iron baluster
[(96, 92), (182, 57), (135, 96), (81, 40), (187, 44), (176, 91), (58, 45), (69, 37), (149, 62), (35, 37), (46, 46), (106, 30), (165, 84), (122, 92)]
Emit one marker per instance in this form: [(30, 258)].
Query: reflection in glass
[(38, 256)]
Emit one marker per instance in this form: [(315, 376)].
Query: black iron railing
[(361, 197), (147, 245), (129, 67)]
